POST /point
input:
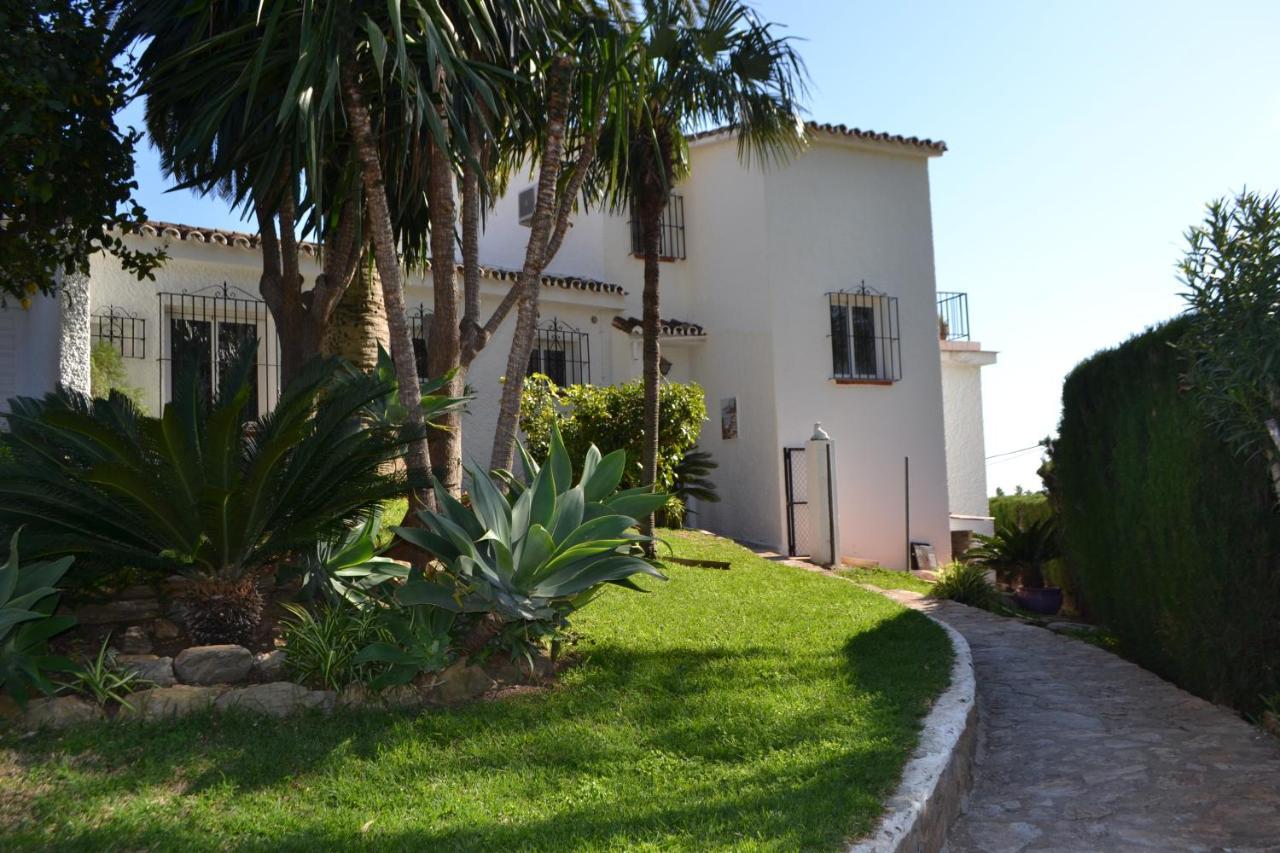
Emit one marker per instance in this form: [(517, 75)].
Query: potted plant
[(1018, 552)]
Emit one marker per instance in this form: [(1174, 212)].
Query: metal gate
[(796, 475)]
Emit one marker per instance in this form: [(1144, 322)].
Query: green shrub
[(107, 373), (611, 418), (321, 645), (1171, 535), (1018, 552), (1019, 509), (540, 552), (966, 583), (103, 680)]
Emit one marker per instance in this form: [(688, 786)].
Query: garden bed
[(757, 707)]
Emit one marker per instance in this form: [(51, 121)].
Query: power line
[(1020, 450)]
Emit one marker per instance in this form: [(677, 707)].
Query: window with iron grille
[(419, 325), (204, 333), (562, 353), (671, 228), (125, 332), (865, 342)]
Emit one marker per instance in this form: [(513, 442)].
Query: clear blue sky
[(1085, 138)]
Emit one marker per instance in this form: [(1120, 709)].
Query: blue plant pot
[(1046, 601)]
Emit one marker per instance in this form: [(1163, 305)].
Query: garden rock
[(157, 670), (178, 701), (460, 682), (163, 629), (224, 664), (269, 666), (354, 696), (58, 712), (129, 610), (134, 641), (278, 699)]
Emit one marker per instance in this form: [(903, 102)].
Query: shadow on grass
[(664, 748)]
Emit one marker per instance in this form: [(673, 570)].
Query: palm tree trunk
[(388, 264), (358, 326), (546, 230), (651, 224), (444, 351)]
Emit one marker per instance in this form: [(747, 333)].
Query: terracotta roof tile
[(670, 327), (931, 145), (242, 240)]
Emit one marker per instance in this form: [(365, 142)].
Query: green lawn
[(758, 708), (886, 579)]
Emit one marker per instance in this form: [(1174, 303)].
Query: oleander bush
[(1173, 537)]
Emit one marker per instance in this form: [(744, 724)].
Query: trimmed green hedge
[(1025, 508), (1174, 540)]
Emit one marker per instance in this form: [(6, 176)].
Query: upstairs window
[(562, 353), (671, 228), (865, 341)]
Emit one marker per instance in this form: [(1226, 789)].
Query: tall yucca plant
[(198, 490)]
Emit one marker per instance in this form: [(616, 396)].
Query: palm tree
[(709, 64)]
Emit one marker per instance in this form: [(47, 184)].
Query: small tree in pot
[(1018, 552)]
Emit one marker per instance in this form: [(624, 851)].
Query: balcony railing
[(953, 316)]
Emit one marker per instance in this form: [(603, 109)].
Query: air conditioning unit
[(528, 199)]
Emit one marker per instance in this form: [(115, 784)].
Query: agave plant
[(198, 490), (28, 597), (1018, 551), (539, 552)]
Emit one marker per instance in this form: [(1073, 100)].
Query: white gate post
[(824, 515)]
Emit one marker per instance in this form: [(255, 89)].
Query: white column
[(824, 514), (73, 340)]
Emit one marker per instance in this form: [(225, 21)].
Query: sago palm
[(198, 490)]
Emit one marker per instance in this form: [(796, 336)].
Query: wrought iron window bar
[(125, 331), (562, 353), (671, 227), (204, 330), (419, 328), (866, 344), (953, 316)]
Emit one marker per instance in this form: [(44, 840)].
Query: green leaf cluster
[(542, 550), (612, 417), (199, 489), (28, 598)]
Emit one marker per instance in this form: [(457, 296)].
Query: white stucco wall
[(962, 363), (29, 349)]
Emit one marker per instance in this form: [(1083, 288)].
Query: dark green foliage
[(966, 583), (1170, 534), (612, 418), (321, 645), (28, 598), (1018, 551), (66, 171), (197, 490), (1019, 508), (691, 481), (1232, 274)]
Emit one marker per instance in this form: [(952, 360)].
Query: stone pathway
[(1080, 750)]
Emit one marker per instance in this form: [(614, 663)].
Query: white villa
[(796, 295)]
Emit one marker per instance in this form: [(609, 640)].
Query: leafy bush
[(1172, 536), (1018, 551), (611, 417), (321, 646), (103, 680), (418, 641), (198, 490), (107, 374), (28, 598), (545, 549), (1020, 508), (966, 583)]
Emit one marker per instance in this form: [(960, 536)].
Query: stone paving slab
[(1080, 750)]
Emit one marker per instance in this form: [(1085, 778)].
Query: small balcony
[(953, 316)]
